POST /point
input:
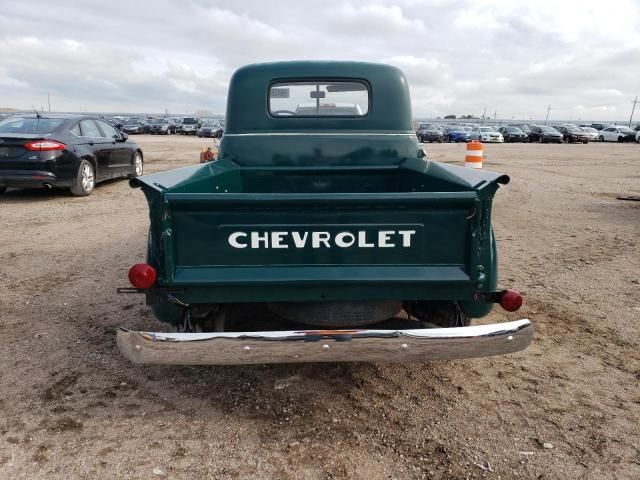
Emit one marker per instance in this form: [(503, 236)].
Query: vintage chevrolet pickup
[(322, 233)]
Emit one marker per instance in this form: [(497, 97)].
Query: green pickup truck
[(322, 233)]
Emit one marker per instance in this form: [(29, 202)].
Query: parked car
[(190, 126), (592, 133), (544, 134), (525, 127), (178, 126), (159, 126), (134, 127), (210, 129), (486, 135), (638, 136), (68, 151), (514, 134), (119, 122), (173, 124), (457, 133), (429, 133), (617, 133), (573, 134), (600, 126)]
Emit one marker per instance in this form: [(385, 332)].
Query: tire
[(85, 181), (541, 139), (619, 139), (138, 166), (337, 314), (2, 190), (442, 314), (601, 138)]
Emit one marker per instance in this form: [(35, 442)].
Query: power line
[(633, 109), (548, 110)]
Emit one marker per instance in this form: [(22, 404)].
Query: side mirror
[(124, 137)]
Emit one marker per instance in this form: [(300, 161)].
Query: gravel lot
[(567, 408)]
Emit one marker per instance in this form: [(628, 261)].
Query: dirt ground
[(566, 408)]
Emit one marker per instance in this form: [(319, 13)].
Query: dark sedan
[(159, 126), (210, 129), (544, 134), (514, 134), (68, 151), (572, 134), (173, 125), (429, 133), (525, 127), (133, 127)]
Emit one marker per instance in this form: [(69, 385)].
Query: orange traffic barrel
[(475, 153)]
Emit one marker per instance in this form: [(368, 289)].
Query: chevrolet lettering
[(322, 233), (319, 239)]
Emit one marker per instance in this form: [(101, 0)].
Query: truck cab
[(324, 218)]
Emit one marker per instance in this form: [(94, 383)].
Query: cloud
[(460, 56)]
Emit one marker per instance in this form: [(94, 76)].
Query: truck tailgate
[(307, 238)]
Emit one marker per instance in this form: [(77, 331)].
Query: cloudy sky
[(460, 56)]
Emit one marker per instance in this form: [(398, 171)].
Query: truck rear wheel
[(337, 314), (442, 314)]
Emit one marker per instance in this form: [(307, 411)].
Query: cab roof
[(247, 105)]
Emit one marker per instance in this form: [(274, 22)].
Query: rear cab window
[(319, 98)]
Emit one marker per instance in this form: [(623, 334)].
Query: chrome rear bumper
[(234, 348)]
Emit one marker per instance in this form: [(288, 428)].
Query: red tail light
[(511, 300), (142, 275), (44, 145)]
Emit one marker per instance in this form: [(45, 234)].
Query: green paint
[(301, 209)]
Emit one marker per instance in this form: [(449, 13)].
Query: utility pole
[(484, 114), (49, 101), (633, 110), (548, 110)]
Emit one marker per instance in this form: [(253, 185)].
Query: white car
[(638, 137), (594, 135), (486, 135), (617, 133)]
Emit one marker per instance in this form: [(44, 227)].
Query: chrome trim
[(235, 348), (316, 134)]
